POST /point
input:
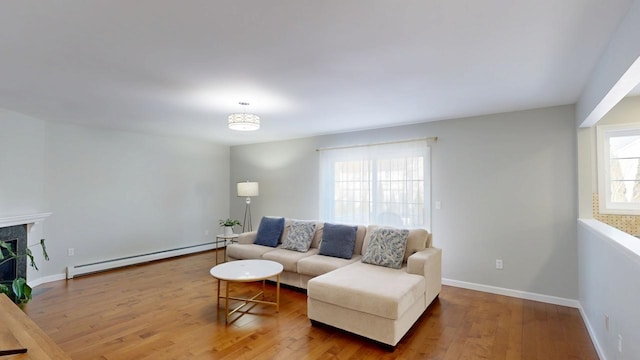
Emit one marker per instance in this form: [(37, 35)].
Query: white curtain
[(385, 184)]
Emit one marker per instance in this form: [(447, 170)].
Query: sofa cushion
[(269, 231), (371, 289), (319, 264), (247, 251), (338, 240), (386, 247), (317, 237), (360, 234), (299, 235), (289, 259), (417, 240)]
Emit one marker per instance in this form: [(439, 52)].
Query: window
[(619, 169), (384, 184)]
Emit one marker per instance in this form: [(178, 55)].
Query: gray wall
[(112, 193), (22, 173), (506, 183), (21, 165)]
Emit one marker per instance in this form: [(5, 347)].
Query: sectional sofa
[(369, 280)]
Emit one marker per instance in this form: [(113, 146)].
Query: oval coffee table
[(247, 271)]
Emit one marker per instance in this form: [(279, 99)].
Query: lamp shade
[(244, 122), (248, 189)]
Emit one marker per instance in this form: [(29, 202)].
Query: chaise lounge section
[(377, 302)]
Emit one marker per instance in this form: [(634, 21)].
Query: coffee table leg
[(226, 305), (278, 293), (218, 299)]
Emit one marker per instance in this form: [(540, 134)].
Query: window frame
[(603, 134)]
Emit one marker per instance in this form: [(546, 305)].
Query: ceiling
[(306, 67)]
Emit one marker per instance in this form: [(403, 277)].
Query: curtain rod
[(432, 139)]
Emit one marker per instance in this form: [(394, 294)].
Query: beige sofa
[(298, 267), (373, 301)]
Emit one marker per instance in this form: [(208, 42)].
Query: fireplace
[(16, 236)]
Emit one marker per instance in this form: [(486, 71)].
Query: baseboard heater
[(135, 259)]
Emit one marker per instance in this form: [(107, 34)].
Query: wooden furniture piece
[(225, 239), (18, 332), (246, 271)]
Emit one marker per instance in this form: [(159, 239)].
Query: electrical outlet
[(499, 264), (206, 232), (606, 322), (438, 204), (71, 252)]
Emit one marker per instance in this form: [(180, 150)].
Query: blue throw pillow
[(269, 231), (338, 240)]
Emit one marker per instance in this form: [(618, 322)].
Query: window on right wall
[(618, 150)]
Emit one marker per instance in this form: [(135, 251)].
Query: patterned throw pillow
[(299, 236), (386, 247)]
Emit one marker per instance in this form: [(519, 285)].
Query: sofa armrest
[(424, 261), (428, 263), (247, 237)]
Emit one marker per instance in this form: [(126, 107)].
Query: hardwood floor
[(167, 310)]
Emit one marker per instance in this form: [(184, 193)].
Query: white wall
[(607, 270), (112, 193), (617, 71), (506, 182), (609, 285)]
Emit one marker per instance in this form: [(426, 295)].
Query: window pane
[(624, 146), (625, 169), (625, 191)]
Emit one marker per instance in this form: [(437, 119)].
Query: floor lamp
[(247, 189)]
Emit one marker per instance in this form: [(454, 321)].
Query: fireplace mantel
[(29, 219)]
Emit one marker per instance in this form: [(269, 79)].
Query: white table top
[(232, 236), (246, 270)]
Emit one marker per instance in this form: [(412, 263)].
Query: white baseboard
[(46, 279), (513, 293), (592, 334), (136, 259), (112, 264)]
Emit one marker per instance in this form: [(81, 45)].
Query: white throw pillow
[(299, 236), (386, 247)]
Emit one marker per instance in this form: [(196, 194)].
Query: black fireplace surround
[(17, 268)]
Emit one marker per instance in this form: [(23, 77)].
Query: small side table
[(225, 239)]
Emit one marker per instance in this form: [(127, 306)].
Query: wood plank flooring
[(167, 310)]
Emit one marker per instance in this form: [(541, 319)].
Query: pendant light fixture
[(244, 121)]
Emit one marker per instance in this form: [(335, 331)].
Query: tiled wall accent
[(627, 223)]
